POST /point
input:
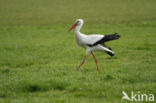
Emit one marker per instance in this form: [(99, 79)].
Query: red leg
[(81, 63), (95, 61)]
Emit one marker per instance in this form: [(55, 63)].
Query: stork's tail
[(111, 37), (108, 52)]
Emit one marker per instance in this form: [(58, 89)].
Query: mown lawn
[(38, 57)]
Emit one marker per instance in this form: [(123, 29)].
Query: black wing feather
[(106, 38)]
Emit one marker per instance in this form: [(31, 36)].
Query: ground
[(38, 57)]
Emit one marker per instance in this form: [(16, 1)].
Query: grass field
[(38, 57)]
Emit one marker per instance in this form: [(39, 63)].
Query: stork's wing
[(92, 39), (100, 39)]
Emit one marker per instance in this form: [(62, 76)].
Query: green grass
[(38, 57)]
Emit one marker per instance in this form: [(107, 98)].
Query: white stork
[(92, 42)]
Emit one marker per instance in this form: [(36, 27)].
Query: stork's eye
[(77, 22)]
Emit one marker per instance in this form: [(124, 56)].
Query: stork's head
[(77, 23)]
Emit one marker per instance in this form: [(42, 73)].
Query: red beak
[(72, 27)]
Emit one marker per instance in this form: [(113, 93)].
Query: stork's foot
[(81, 63)]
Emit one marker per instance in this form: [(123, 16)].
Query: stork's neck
[(78, 27), (77, 30)]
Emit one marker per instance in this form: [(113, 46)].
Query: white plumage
[(91, 39)]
